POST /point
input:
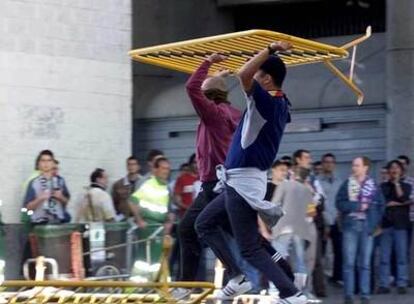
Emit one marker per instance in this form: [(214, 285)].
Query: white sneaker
[(235, 287), (298, 298), (181, 293), (312, 298)]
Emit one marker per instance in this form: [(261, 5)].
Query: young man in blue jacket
[(244, 176)]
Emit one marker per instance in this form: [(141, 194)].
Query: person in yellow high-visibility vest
[(150, 206)]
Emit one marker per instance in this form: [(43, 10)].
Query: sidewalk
[(335, 297)]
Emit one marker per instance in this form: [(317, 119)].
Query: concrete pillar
[(65, 85), (400, 78)]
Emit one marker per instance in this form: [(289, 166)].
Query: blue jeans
[(397, 239), (357, 249), (283, 245)]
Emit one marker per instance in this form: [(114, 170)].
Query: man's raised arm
[(204, 108), (247, 71)]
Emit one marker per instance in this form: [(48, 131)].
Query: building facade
[(326, 117), (65, 85)]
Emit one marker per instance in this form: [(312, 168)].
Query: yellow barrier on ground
[(94, 292), (186, 56), (70, 292)]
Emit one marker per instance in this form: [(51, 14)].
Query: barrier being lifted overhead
[(186, 56)]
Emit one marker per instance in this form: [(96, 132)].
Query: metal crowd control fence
[(131, 251), (86, 291), (186, 56), (97, 289), (71, 292)]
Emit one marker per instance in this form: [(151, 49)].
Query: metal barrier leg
[(129, 247)]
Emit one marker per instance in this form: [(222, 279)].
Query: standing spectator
[(96, 205), (184, 194), (293, 229), (280, 172), (360, 205), (317, 168), (151, 207), (288, 160), (123, 188), (36, 171), (152, 156), (405, 160), (55, 170), (303, 159), (384, 175), (184, 168), (150, 204), (330, 184), (184, 187), (47, 195), (395, 228), (59, 183)]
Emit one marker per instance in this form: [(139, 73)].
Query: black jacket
[(397, 217)]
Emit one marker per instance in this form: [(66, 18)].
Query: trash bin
[(108, 263), (116, 234), (54, 241)]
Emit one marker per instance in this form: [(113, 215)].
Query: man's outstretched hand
[(216, 58), (281, 45)]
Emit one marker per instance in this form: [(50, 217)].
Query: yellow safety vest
[(153, 199)]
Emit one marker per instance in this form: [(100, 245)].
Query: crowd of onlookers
[(367, 223), (357, 232)]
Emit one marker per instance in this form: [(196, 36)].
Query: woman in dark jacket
[(396, 223)]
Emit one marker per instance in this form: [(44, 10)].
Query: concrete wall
[(400, 78), (344, 131), (160, 92), (65, 85)]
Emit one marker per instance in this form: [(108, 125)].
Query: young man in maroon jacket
[(218, 121)]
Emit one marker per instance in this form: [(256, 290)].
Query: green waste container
[(54, 241), (116, 234)]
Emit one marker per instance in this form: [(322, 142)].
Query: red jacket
[(215, 130)]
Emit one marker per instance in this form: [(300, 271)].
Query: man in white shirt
[(330, 184), (97, 204)]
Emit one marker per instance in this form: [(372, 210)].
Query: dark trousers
[(190, 247), (230, 208), (175, 261), (318, 274), (336, 237)]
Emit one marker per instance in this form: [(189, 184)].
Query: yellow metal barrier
[(71, 292), (186, 56)]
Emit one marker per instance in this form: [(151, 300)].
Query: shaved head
[(214, 83)]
